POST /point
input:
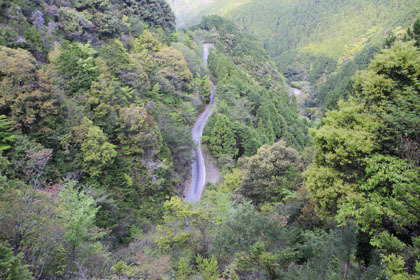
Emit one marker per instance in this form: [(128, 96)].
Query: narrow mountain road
[(198, 178)]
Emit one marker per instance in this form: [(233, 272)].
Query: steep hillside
[(336, 29), (95, 114), (97, 103), (251, 93), (333, 28), (96, 107), (315, 40), (185, 9), (189, 12)]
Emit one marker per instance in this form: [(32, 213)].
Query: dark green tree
[(270, 174), (76, 66), (222, 140)]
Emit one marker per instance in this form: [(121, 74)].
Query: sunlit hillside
[(334, 28)]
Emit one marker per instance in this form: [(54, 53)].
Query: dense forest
[(97, 102), (317, 45)]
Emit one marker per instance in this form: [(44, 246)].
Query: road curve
[(198, 178)]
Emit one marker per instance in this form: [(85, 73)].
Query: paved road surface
[(198, 178)]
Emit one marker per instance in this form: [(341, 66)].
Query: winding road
[(198, 178)]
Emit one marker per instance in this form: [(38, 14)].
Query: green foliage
[(390, 72), (105, 97), (74, 25), (415, 33), (177, 231), (112, 108), (271, 174), (34, 40), (146, 42), (79, 210), (331, 255), (207, 268), (176, 136), (10, 265), (243, 49), (202, 85), (232, 181), (156, 13), (253, 98), (258, 258), (341, 144), (395, 268), (360, 170), (245, 226), (46, 226), (95, 105), (97, 152), (190, 51), (303, 44), (173, 70), (29, 98), (338, 84), (300, 25), (388, 192), (322, 66), (6, 137), (119, 62), (76, 65), (222, 141), (137, 131), (183, 270), (388, 87), (35, 26)]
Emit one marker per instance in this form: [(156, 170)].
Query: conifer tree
[(11, 266), (222, 140)]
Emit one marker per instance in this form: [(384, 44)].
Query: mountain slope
[(316, 40), (97, 102), (332, 28)]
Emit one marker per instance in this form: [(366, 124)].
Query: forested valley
[(314, 136)]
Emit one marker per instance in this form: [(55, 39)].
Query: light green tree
[(341, 144), (389, 88), (78, 211), (185, 227), (365, 167), (97, 152), (6, 137), (208, 267), (147, 42), (183, 269)]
